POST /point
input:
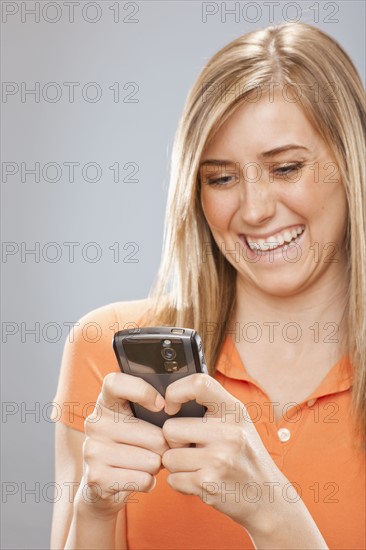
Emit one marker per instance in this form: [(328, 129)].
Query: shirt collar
[(339, 377)]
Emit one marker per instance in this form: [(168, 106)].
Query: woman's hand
[(229, 467), (121, 453)]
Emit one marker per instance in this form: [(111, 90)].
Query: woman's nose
[(257, 199)]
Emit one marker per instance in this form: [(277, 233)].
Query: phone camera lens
[(168, 353)]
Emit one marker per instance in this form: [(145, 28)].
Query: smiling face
[(273, 198)]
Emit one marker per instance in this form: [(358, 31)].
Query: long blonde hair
[(195, 284)]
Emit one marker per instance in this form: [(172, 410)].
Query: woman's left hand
[(229, 468)]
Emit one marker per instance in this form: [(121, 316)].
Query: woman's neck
[(310, 323)]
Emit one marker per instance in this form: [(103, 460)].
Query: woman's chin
[(281, 286)]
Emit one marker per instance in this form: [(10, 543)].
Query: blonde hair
[(195, 284)]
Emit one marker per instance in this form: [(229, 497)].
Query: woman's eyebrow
[(265, 154), (216, 162), (280, 149)]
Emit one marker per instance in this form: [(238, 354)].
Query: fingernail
[(159, 401)]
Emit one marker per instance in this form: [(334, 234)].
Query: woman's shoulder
[(88, 356), (114, 316), (94, 330)]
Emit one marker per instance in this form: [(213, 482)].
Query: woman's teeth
[(276, 240)]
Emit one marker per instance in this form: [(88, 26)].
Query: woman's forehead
[(262, 127)]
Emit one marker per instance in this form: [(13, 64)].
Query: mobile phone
[(160, 355)]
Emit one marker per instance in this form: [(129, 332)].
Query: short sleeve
[(87, 358)]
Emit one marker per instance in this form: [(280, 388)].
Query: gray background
[(162, 52)]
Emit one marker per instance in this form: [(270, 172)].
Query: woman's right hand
[(121, 454)]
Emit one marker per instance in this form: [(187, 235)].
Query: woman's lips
[(280, 251)]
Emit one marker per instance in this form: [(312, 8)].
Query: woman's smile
[(282, 244)]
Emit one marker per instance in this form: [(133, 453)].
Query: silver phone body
[(160, 355)]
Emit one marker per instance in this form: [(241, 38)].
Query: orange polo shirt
[(313, 444)]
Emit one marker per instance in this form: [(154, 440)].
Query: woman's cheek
[(302, 198), (219, 206)]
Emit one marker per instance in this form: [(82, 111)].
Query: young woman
[(264, 255)]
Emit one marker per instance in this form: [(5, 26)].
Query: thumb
[(202, 388)]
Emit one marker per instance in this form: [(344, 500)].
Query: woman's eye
[(221, 181), (281, 171), (286, 169)]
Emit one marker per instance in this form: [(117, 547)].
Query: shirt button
[(311, 402), (283, 434)]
